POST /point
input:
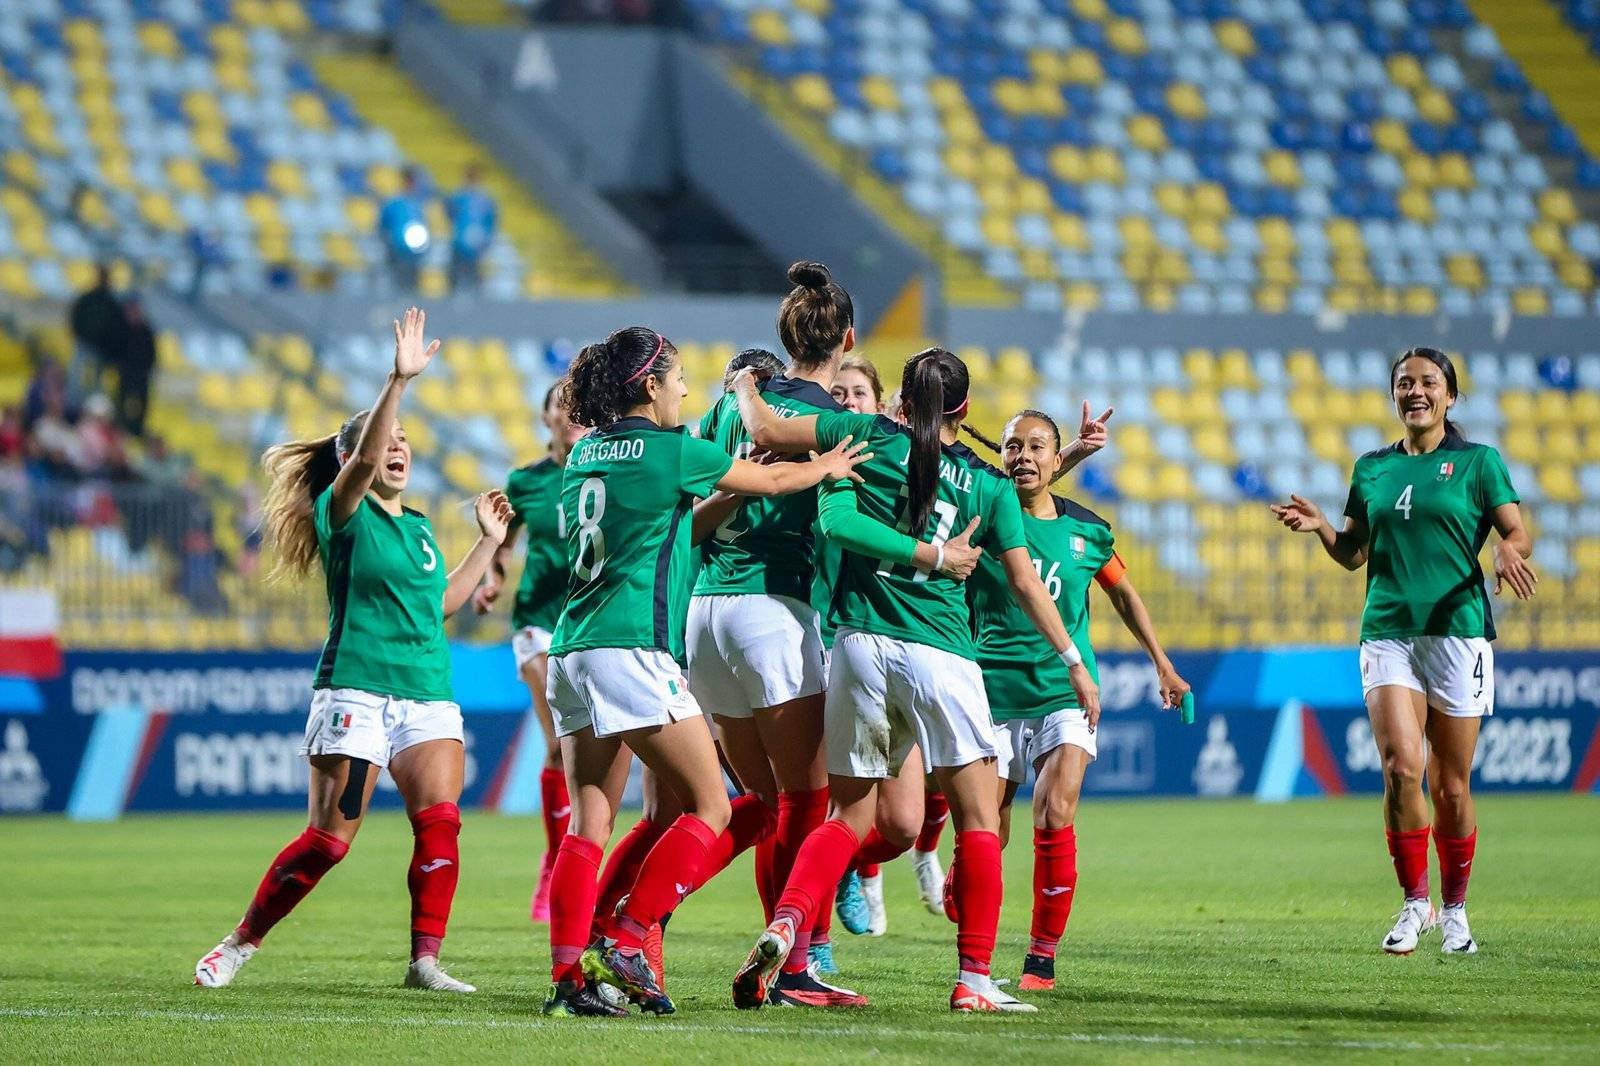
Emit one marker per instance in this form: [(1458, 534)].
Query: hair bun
[(810, 275)]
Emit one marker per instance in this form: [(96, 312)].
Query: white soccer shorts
[(1024, 742), (1455, 673), (885, 695), (751, 652), (362, 725), (528, 642), (616, 690)]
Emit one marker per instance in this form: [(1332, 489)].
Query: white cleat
[(979, 993), (1457, 937), (878, 917), (218, 966), (1415, 918), (427, 973), (930, 879)]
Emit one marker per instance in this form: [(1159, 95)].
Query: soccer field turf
[(1205, 930)]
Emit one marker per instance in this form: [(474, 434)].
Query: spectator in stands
[(13, 434), (136, 360), (97, 328), (248, 521), (472, 225), (100, 453), (206, 253), (48, 378), (158, 464), (403, 224), (21, 534), (52, 441)]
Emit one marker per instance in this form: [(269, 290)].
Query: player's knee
[(900, 828), (713, 809), (1402, 772), (1449, 791), (1055, 811)]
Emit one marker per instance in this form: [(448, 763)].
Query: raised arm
[(1512, 553), (842, 522), (355, 477), (1347, 547), (1092, 436), (1125, 598), (770, 430), (1041, 611), (493, 512)]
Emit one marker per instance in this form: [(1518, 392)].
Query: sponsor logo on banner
[(1546, 688), (1126, 759), (239, 764), (1524, 751), (192, 689), (22, 781), (1217, 770)]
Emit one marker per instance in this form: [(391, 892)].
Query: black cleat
[(568, 999), (604, 963)]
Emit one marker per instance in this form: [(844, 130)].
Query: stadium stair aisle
[(557, 264), (1554, 57)]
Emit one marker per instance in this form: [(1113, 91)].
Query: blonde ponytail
[(299, 471)]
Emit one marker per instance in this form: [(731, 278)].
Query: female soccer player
[(1030, 695), (382, 693), (615, 678), (1418, 514), (535, 494), (904, 665), (754, 640)]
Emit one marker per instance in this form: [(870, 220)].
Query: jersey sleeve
[(322, 517), (1494, 481), (1005, 521), (1111, 574), (707, 429), (701, 464), (1354, 505), (844, 524), (835, 426)]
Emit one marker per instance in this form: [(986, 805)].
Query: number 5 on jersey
[(591, 538)]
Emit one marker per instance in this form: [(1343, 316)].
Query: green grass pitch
[(1204, 931)]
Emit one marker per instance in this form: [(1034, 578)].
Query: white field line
[(888, 1032)]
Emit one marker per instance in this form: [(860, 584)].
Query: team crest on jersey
[(1078, 547), (1445, 470), (338, 724)]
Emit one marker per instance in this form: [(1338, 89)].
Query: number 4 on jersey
[(1404, 502)]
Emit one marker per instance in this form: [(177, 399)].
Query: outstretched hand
[(1299, 514), (411, 356), (842, 460), (1510, 568), (494, 515)]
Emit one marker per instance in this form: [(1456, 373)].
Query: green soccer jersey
[(902, 601), (535, 495), (627, 493), (1022, 674), (386, 581), (766, 545), (1427, 518)]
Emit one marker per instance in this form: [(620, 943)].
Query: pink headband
[(958, 408), (648, 363)]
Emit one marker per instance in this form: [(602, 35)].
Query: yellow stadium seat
[(1000, 230), (1234, 36), (1575, 273), (1419, 300), (812, 92), (1234, 370), (1551, 408), (1174, 199), (997, 161), (1070, 232), (1585, 408), (1015, 365), (1094, 10), (1417, 204), (1530, 301), (158, 38), (1172, 482), (1277, 236), (1283, 168), (1276, 270), (1137, 232), (1391, 135), (1213, 443), (879, 92), (384, 180), (1083, 68), (1146, 132), (1406, 72), (1557, 206), (1126, 36), (947, 93), (1455, 171), (1033, 197), (962, 129), (1081, 296), (1559, 482), (1207, 235), (1271, 299), (234, 76), (1464, 270), (1069, 163), (213, 144), (1185, 101), (1419, 169), (770, 27), (1304, 369), (1200, 364), (1561, 445), (309, 110), (1434, 106), (1013, 96), (1136, 481)]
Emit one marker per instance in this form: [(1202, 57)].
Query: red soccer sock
[(979, 888), (1055, 883), (623, 868), (752, 821), (799, 815), (1455, 865), (435, 869), (823, 859), (822, 925), (765, 888), (671, 871), (868, 869), (1409, 849), (573, 886), (292, 875), (554, 805), (935, 812), (875, 849)]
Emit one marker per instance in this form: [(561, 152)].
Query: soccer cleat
[(977, 993), (753, 982), (1414, 919), (854, 914), (217, 967), (539, 905), (808, 989), (568, 999), (605, 963), (872, 890), (930, 879), (821, 957), (426, 973), (1457, 937), (1038, 974), (654, 955)]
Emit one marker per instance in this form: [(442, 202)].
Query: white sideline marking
[(869, 1031)]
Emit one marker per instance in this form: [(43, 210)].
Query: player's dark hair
[(982, 438), (1446, 367), (865, 368), (762, 361), (815, 316), (550, 394), (996, 446), (933, 394), (607, 380), (298, 471)]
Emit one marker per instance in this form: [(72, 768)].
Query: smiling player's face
[(1421, 394)]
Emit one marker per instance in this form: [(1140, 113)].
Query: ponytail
[(933, 391), (297, 473), (988, 442), (607, 380)]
